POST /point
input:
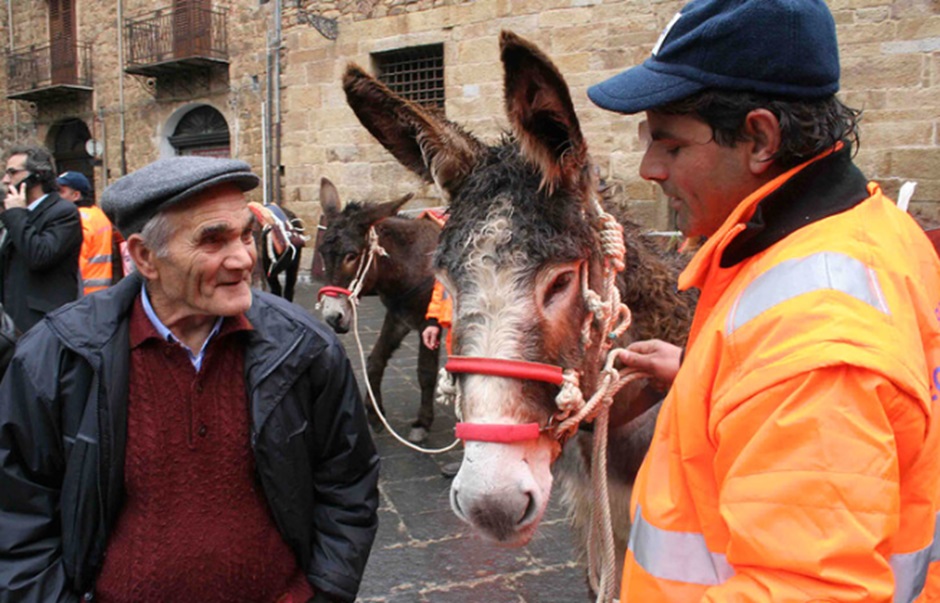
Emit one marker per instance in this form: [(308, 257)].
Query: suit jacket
[(39, 259)]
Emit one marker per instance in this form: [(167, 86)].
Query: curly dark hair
[(808, 127)]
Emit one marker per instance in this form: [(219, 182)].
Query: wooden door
[(192, 26), (62, 52)]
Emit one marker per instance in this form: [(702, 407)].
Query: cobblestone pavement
[(423, 553)]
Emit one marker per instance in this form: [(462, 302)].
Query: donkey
[(402, 278), (280, 242), (518, 254)]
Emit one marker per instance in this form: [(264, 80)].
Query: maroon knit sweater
[(195, 525)]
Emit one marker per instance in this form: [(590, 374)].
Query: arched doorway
[(67, 140), (202, 131)]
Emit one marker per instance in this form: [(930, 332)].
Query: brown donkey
[(402, 278)]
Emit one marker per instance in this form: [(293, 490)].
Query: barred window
[(416, 73)]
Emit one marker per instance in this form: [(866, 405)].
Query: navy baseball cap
[(75, 180), (781, 48)]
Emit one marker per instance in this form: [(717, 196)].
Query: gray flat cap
[(135, 198)]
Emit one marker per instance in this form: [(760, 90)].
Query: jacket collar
[(824, 186)]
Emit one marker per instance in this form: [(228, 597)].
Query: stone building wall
[(890, 57), (150, 107)]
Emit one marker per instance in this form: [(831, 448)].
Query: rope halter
[(366, 257)]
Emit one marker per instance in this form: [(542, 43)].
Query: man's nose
[(242, 257), (651, 168)]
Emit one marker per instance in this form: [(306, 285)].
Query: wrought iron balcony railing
[(40, 72), (171, 39)]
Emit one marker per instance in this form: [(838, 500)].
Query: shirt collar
[(32, 206), (167, 335)]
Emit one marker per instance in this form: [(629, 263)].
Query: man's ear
[(763, 130), (143, 256)]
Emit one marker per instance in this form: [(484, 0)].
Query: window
[(202, 131), (415, 73)]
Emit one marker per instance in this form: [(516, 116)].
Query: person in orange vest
[(796, 456), (95, 263), (439, 316)]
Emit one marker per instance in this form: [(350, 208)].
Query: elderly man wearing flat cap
[(796, 456), (179, 436)]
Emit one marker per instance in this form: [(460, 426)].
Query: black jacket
[(39, 259), (63, 427)]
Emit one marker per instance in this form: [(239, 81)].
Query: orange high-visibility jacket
[(94, 262), (441, 309), (797, 455)]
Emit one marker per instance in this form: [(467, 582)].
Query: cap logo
[(662, 36)]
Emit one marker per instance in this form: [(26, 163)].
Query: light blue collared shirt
[(168, 335), (32, 206)]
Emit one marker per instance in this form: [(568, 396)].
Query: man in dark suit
[(41, 239)]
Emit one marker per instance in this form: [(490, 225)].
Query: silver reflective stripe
[(910, 569), (100, 259), (677, 556), (789, 279)]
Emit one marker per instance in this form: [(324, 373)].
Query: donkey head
[(513, 254), (344, 246)]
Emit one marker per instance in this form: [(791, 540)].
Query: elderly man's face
[(211, 253)]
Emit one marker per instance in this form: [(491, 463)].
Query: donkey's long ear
[(329, 199), (436, 149), (374, 213), (542, 115)]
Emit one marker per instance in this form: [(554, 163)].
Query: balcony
[(43, 73), (176, 40)]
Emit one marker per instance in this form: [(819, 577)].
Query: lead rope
[(614, 319), (355, 287)]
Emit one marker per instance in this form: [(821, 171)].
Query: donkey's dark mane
[(544, 227), (352, 212)]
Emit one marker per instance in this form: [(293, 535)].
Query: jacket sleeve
[(808, 473), (440, 308), (345, 482), (50, 243), (31, 472)]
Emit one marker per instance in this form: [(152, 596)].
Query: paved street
[(423, 553)]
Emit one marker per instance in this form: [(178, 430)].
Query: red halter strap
[(331, 291), (499, 432), (499, 367)]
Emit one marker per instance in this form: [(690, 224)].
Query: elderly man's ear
[(143, 256), (763, 131)]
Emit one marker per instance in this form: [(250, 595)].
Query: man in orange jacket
[(96, 262), (797, 454)]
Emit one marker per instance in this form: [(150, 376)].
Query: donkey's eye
[(558, 286), (350, 258)]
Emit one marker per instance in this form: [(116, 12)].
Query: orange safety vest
[(441, 308), (94, 262), (797, 455)]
